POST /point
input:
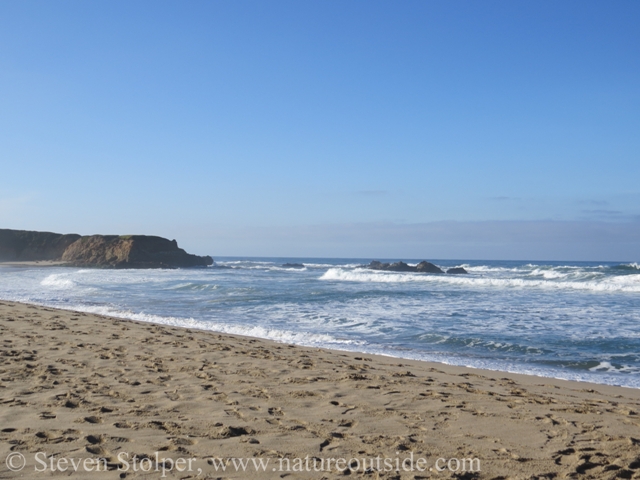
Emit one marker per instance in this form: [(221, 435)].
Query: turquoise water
[(569, 320)]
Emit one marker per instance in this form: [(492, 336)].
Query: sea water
[(571, 320)]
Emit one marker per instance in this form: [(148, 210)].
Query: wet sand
[(34, 263), (76, 386)]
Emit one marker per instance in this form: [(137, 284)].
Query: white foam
[(60, 281), (331, 265), (242, 262), (255, 265), (628, 283), (270, 267), (285, 336), (550, 274), (361, 275), (633, 265), (608, 367), (288, 269), (487, 269)]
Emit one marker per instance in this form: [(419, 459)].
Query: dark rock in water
[(376, 265), (422, 267), (428, 267), (25, 246), (391, 267), (457, 270), (400, 267), (293, 265), (105, 251)]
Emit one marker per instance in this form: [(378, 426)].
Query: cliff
[(103, 251), (22, 245), (130, 251)]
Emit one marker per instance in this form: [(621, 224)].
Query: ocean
[(569, 320)]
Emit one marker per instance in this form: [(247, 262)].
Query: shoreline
[(434, 363), (450, 368), (476, 348), (89, 386), (34, 263)]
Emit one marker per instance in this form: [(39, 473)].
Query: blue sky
[(430, 129)]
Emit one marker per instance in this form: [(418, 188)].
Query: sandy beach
[(97, 397)]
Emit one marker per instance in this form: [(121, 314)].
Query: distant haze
[(370, 129)]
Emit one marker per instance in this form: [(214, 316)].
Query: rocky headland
[(102, 251)]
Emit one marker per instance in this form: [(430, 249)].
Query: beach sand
[(79, 386)]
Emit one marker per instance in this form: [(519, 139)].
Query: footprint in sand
[(92, 419), (347, 423), (50, 437), (184, 441), (98, 450), (95, 439)]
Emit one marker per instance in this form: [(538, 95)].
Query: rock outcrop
[(428, 267), (422, 267), (103, 251), (130, 251), (457, 270), (391, 267)]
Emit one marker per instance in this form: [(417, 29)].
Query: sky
[(360, 129)]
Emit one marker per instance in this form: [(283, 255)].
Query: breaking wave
[(61, 281), (567, 320), (285, 336), (550, 281)]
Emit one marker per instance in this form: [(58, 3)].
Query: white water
[(574, 321)]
